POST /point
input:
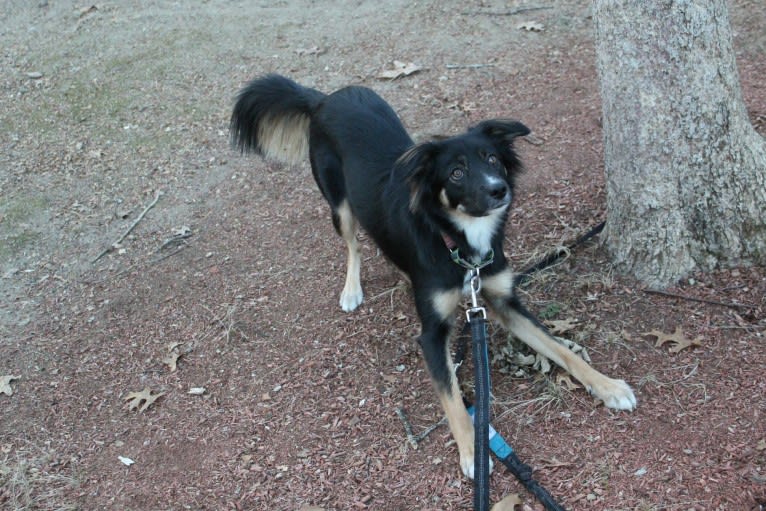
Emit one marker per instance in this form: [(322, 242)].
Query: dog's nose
[(498, 190)]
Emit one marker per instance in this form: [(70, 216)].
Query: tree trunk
[(685, 170)]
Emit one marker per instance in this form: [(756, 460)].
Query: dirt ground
[(230, 281)]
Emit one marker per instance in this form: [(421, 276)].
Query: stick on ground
[(111, 247)]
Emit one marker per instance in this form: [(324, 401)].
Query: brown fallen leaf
[(171, 360), (677, 337), (5, 384), (508, 503), (560, 326), (145, 396), (400, 69), (564, 380)]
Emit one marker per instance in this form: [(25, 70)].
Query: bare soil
[(235, 273)]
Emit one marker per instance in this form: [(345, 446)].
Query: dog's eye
[(492, 159), (456, 174)]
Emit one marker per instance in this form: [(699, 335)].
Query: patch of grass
[(15, 233), (26, 483), (552, 397), (551, 311), (15, 244), (22, 209)]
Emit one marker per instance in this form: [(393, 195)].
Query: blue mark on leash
[(497, 443)]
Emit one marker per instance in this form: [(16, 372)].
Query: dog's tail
[(271, 117)]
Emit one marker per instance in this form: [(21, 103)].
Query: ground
[(233, 276)]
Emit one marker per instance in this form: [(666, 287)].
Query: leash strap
[(520, 470), (481, 419), (477, 319), (486, 438), (555, 255)]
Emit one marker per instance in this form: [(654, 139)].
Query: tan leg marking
[(498, 285), (445, 303), (614, 393), (352, 294), (459, 421)]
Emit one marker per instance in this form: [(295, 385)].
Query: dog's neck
[(479, 232)]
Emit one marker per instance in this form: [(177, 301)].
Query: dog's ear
[(414, 166), (505, 130), (502, 129), (502, 133)]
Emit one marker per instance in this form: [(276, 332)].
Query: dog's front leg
[(498, 291), (437, 316)]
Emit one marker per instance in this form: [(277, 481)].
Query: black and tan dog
[(418, 202)]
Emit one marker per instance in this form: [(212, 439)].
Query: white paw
[(467, 465), (350, 300), (616, 394)]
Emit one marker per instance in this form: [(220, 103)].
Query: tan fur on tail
[(285, 138)]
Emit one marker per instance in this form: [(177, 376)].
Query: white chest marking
[(478, 231)]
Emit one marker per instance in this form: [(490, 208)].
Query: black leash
[(485, 436), (519, 469), (477, 319), (554, 255)]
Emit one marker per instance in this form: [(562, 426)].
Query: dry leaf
[(677, 337), (542, 364), (524, 360), (576, 348), (5, 384), (400, 69), (145, 396), (761, 445), (563, 380), (314, 50), (88, 10), (508, 503), (531, 26), (561, 326), (171, 360)]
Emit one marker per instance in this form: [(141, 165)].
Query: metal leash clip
[(475, 288)]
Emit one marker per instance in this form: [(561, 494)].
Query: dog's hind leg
[(347, 226), (326, 167)]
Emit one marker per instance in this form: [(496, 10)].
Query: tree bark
[(685, 170)]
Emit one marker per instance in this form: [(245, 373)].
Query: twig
[(130, 229), (701, 300), (512, 12), (414, 440), (407, 428), (178, 237), (170, 254), (468, 66), (430, 429)]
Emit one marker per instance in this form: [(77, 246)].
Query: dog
[(421, 204)]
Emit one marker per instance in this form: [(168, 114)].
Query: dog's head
[(469, 174)]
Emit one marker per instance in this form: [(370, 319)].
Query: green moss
[(16, 235)]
